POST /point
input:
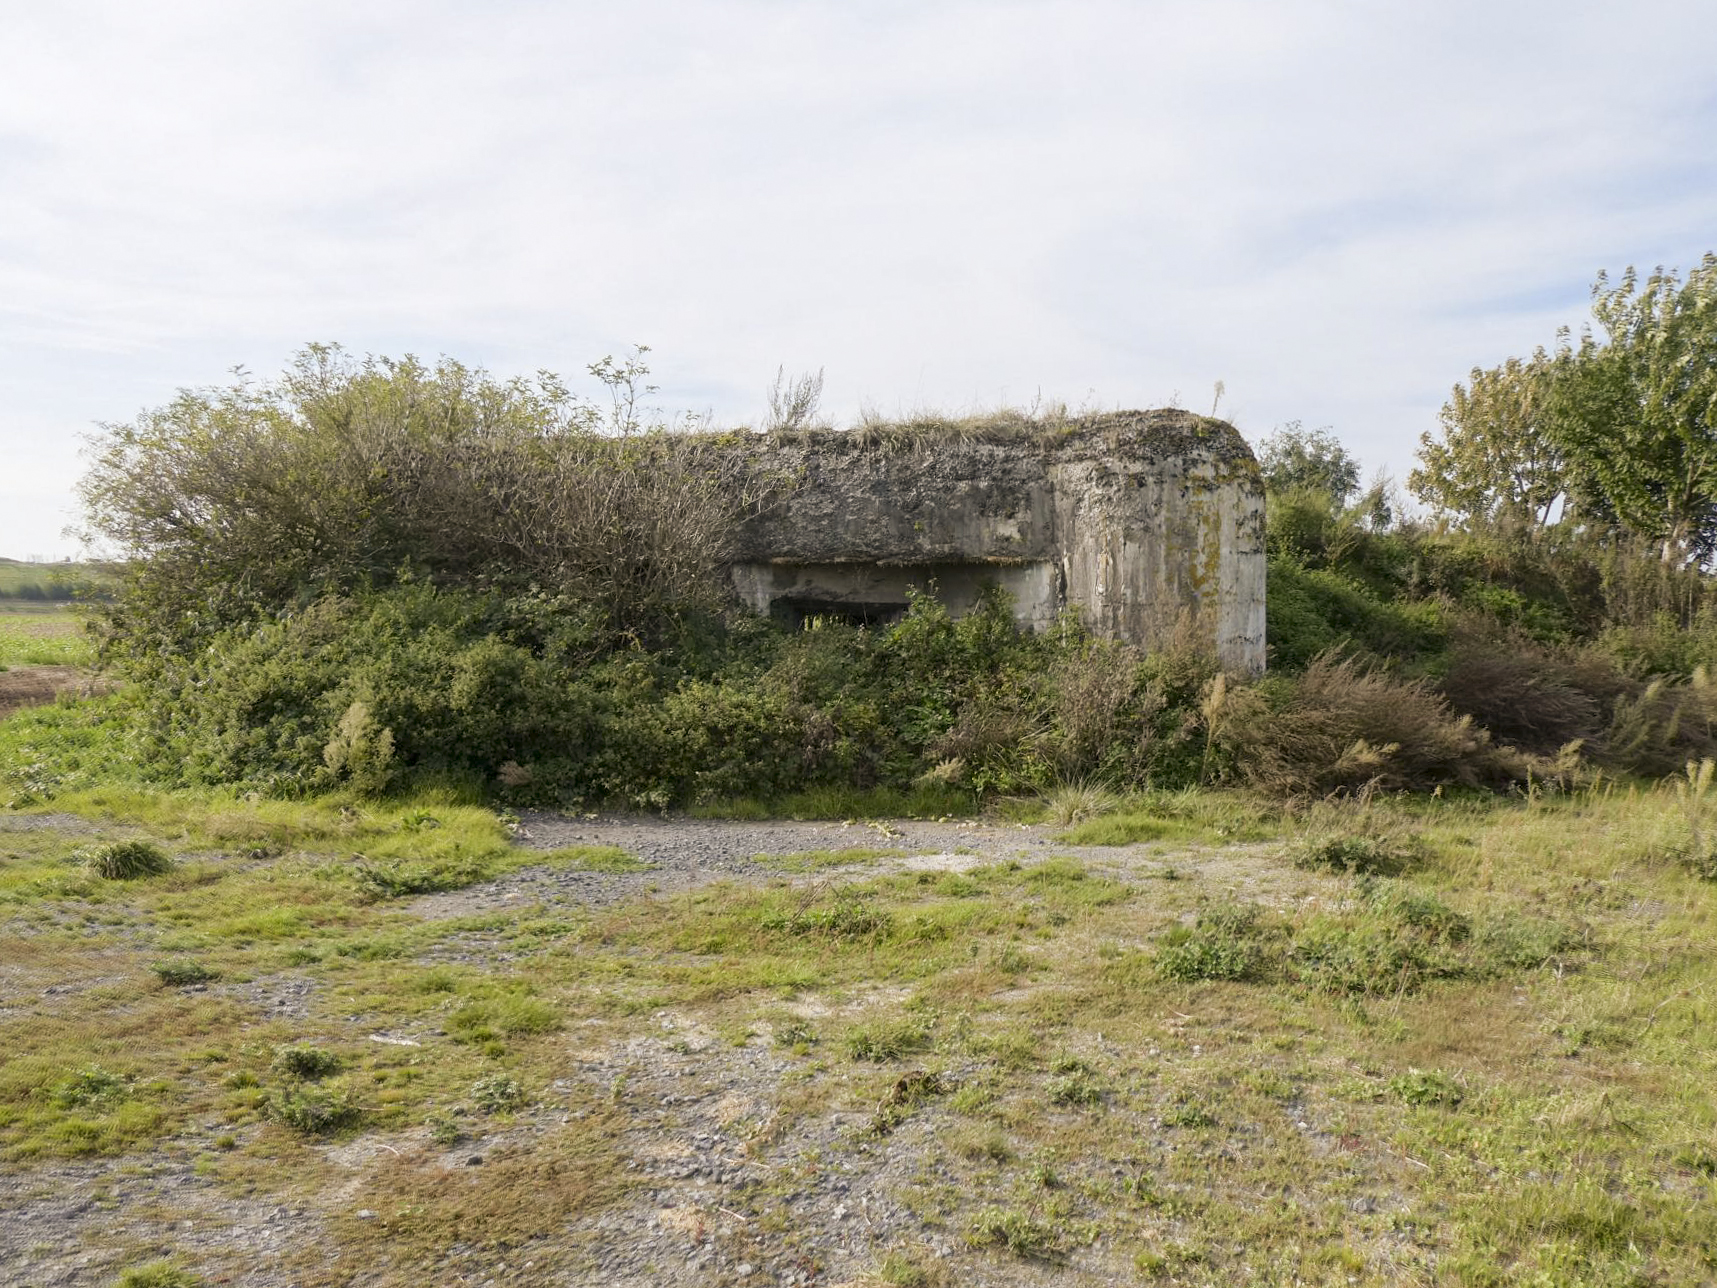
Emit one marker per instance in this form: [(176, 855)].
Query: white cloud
[(1336, 208)]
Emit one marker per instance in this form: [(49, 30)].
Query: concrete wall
[(1133, 519)]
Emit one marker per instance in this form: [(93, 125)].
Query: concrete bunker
[(1135, 520)]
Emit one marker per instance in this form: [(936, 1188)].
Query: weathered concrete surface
[(1133, 519)]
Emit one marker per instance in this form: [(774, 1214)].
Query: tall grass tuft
[(1078, 801), (1699, 806), (128, 860)]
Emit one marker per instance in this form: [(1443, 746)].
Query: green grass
[(158, 1274), (931, 801), (817, 860), (37, 636), (1178, 818), (596, 858), (1492, 1068)]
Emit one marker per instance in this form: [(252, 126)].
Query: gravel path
[(686, 852)]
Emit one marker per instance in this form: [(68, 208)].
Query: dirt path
[(32, 686)]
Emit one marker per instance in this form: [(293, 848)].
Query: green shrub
[(1311, 611), (307, 1063), (128, 860), (497, 1093), (313, 1111)]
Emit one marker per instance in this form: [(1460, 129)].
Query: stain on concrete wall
[(1132, 519)]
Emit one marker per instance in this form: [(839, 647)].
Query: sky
[(1336, 208)]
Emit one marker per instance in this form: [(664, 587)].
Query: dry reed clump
[(1662, 725), (1694, 792), (1522, 693), (1344, 726)]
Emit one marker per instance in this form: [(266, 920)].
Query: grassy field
[(1462, 1042), (34, 635)]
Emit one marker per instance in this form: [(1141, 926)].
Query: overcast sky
[(1336, 207)]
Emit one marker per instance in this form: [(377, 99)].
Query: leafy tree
[(1636, 414), (1496, 460), (1295, 459)]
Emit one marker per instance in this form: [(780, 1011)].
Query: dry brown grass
[(434, 1210), (1346, 726), (1521, 693)]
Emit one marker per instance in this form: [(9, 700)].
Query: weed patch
[(816, 860), (1358, 855), (1366, 957), (396, 880), (91, 1087), (183, 974), (596, 858), (497, 1093), (851, 915), (889, 1039), (1022, 1235), (314, 1111), (1222, 945), (1426, 1087), (907, 1092), (509, 1015), (157, 1274)]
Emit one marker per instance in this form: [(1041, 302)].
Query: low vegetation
[(1486, 1067)]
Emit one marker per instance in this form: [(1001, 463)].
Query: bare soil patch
[(33, 686)]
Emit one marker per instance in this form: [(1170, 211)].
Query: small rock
[(476, 1160), (744, 1268), (366, 1214)]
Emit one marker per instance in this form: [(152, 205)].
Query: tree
[(1496, 460), (1294, 459), (1636, 414)]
